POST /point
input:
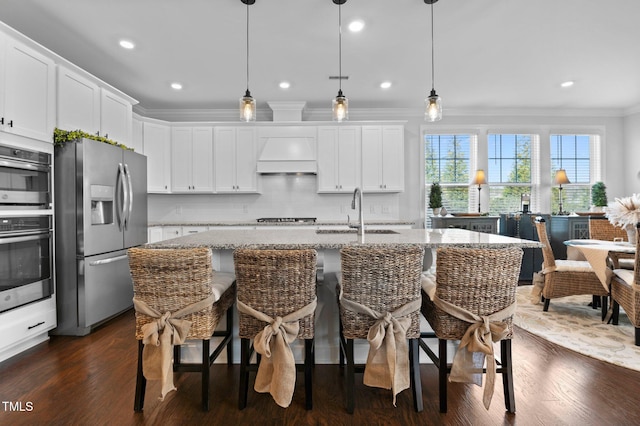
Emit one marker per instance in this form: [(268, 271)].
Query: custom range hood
[(287, 148)]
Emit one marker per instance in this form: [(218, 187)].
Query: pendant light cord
[(340, 48), (247, 47), (432, 55)]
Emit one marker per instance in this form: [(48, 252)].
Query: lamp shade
[(561, 177), (247, 108), (479, 178)]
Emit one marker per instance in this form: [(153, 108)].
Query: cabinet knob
[(1, 120), (11, 123)]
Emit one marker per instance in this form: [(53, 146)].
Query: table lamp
[(479, 179), (561, 179)]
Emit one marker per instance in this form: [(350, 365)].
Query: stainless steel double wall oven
[(26, 221)]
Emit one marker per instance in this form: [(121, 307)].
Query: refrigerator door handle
[(129, 190), (122, 195), (109, 260)]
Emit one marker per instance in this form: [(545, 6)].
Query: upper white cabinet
[(78, 102), (157, 148), (192, 159), (383, 158), (27, 91), (137, 135), (338, 158), (84, 105), (115, 117), (234, 159)]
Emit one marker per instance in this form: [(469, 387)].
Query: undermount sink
[(355, 231)]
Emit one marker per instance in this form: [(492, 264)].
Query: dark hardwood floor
[(90, 381)]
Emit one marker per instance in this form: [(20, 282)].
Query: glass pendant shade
[(247, 107), (433, 110), (340, 107)]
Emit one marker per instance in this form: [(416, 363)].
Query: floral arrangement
[(624, 212)]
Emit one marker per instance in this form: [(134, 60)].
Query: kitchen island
[(328, 244)]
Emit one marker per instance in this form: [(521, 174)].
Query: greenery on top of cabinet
[(60, 137)]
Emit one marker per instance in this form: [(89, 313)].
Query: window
[(447, 161), (575, 154), (509, 171)]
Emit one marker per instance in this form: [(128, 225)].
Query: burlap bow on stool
[(160, 336), (388, 359), (277, 369)]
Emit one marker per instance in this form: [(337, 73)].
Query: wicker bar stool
[(276, 305), (379, 293), (174, 286), (625, 291), (473, 286), (567, 277)]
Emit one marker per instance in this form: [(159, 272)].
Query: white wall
[(296, 196)]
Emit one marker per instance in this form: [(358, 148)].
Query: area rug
[(571, 323)]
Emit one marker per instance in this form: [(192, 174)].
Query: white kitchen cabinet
[(190, 230), (137, 135), (154, 234), (338, 158), (234, 160), (169, 232), (27, 91), (26, 326), (78, 102), (383, 158), (192, 159), (115, 117), (157, 148)]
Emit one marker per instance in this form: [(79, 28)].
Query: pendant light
[(247, 102), (340, 105), (433, 103)]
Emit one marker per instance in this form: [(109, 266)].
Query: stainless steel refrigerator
[(100, 195)]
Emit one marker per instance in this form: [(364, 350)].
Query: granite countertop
[(372, 222), (229, 239)]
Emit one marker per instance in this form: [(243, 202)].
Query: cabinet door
[(78, 102), (393, 158), (169, 232), (327, 156), (202, 159), (157, 148), (372, 158), (246, 176), (349, 145), (224, 154), (115, 117), (137, 132), (154, 234), (181, 155), (28, 101)]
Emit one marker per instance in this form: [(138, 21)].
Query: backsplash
[(281, 196)]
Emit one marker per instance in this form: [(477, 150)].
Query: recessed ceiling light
[(567, 84), (176, 86), (127, 44), (356, 26), (284, 84), (385, 84)]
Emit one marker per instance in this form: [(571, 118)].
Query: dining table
[(597, 253)]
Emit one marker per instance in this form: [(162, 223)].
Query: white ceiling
[(488, 53)]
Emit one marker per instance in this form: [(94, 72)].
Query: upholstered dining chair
[(472, 299), (379, 300), (567, 277), (625, 291), (177, 297), (276, 305)]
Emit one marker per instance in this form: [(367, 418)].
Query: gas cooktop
[(287, 219)]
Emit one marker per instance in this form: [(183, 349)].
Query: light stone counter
[(224, 241)]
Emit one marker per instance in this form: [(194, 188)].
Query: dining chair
[(379, 300), (625, 291), (473, 294), (276, 305), (567, 277), (601, 229), (178, 297)]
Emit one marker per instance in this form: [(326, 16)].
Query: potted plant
[(435, 198), (598, 196)]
